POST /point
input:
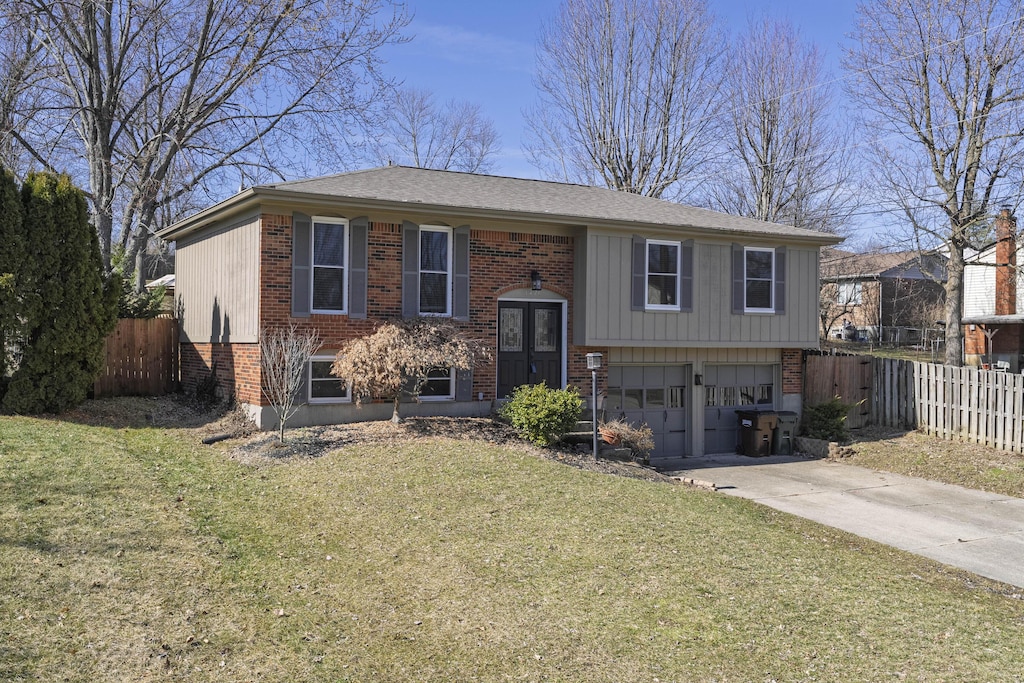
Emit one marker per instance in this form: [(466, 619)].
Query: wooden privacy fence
[(956, 404), (848, 377), (140, 359)]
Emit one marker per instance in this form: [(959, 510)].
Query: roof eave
[(254, 195)]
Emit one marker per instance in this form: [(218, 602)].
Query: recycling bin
[(756, 427), (785, 431)]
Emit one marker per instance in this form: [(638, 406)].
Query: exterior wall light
[(535, 282)]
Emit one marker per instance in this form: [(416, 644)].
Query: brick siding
[(500, 261), (792, 371)]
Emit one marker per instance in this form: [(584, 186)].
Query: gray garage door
[(727, 389), (656, 395)]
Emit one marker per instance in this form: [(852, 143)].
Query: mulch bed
[(248, 445)]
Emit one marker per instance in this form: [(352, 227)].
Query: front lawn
[(136, 553)]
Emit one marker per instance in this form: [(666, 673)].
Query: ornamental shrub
[(827, 421), (66, 306), (12, 258), (542, 415)]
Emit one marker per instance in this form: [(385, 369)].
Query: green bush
[(827, 421), (543, 415), (65, 306)]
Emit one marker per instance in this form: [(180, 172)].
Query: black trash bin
[(785, 431), (756, 427)]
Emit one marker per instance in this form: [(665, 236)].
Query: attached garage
[(658, 396), (728, 389)]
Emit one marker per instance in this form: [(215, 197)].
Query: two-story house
[(993, 321), (698, 314), (891, 297)]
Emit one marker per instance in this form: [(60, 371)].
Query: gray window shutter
[(302, 255), (780, 280), (686, 276), (639, 299), (302, 393), (739, 295), (358, 263), (410, 270), (463, 385), (460, 297)]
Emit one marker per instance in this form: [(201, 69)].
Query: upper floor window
[(323, 386), (435, 270), (662, 275), (330, 261), (850, 293), (759, 278)]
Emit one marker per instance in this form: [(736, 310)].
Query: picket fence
[(140, 359)]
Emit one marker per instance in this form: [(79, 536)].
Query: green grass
[(138, 554), (965, 464)]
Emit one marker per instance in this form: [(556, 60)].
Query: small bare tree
[(455, 136), (397, 358), (284, 357)]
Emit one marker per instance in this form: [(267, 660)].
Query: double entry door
[(529, 344)]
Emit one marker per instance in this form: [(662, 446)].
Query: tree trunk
[(395, 417), (954, 305)]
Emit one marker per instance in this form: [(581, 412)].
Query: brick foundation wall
[(792, 371), (237, 365)]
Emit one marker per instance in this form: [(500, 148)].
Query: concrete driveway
[(980, 532)]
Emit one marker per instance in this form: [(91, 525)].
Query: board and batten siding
[(609, 320), (218, 283)]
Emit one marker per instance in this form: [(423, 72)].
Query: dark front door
[(529, 345)]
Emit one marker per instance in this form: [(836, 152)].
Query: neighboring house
[(893, 297), (698, 314), (993, 322), (167, 282)]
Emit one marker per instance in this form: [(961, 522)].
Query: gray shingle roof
[(561, 202)]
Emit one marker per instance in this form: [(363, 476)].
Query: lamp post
[(594, 364)]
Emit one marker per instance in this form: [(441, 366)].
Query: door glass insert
[(633, 399), (511, 338), (676, 397), (655, 398), (710, 396), (545, 330), (614, 400)]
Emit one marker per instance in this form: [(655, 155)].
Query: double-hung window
[(759, 280), (440, 385), (323, 386), (330, 263), (662, 275), (850, 293), (435, 270)]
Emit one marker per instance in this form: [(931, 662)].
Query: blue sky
[(482, 51)]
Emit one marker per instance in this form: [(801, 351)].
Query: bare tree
[(941, 82), (455, 136), (22, 94), (203, 93), (396, 360), (628, 94), (284, 359), (785, 160)]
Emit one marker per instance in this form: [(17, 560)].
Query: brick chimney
[(1006, 263)]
